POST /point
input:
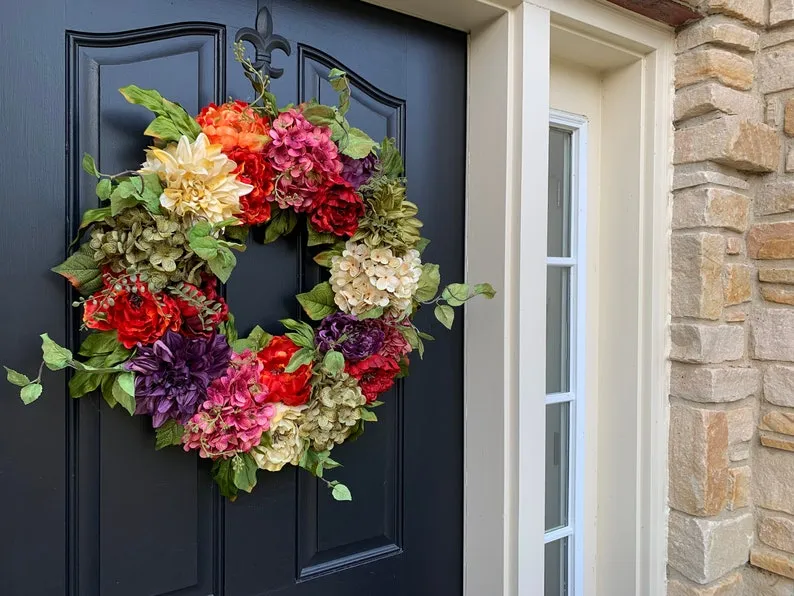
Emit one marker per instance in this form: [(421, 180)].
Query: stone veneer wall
[(731, 525)]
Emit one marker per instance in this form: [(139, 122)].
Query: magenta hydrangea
[(235, 414), (304, 157)]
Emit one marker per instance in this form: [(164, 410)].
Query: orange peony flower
[(292, 389), (234, 125)]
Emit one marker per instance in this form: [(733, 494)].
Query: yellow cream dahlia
[(283, 445), (197, 178)]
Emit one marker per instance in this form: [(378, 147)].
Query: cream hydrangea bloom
[(364, 278), (197, 179), (286, 444)]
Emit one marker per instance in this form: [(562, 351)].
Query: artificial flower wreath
[(162, 341)]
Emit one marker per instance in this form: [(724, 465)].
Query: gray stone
[(772, 334), (779, 385), (713, 383), (706, 344)]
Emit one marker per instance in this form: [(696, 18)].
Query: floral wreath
[(162, 341)]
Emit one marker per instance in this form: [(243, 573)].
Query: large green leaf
[(281, 224), (16, 378), (95, 344), (223, 474), (391, 162), (124, 391), (84, 382), (30, 393), (89, 165), (222, 264), (152, 100), (169, 434), (445, 314), (319, 301), (81, 270), (245, 469), (163, 128), (359, 144), (427, 287), (341, 493), (300, 358), (55, 357), (334, 362)]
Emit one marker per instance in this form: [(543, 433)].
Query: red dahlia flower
[(375, 375), (292, 389), (253, 169), (234, 125), (138, 317), (336, 210)]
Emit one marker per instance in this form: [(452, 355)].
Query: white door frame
[(506, 244)]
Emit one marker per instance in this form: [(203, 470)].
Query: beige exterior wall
[(731, 451)]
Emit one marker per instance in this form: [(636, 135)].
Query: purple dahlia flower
[(358, 171), (355, 339), (172, 375)]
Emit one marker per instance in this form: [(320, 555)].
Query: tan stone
[(788, 120), (759, 582), (737, 284), (732, 141), (772, 114), (697, 288), (734, 316), (776, 275), (777, 36), (698, 455), (775, 68), (717, 31), (790, 158), (775, 197), (773, 560), (702, 65), (741, 424), (738, 488), (705, 549), (771, 241), (773, 478), (710, 207), (688, 175), (771, 331), (713, 383), (777, 295), (739, 452), (730, 585), (779, 385), (697, 100), (781, 11), (779, 422), (733, 246), (777, 441), (751, 11), (706, 344), (777, 531)]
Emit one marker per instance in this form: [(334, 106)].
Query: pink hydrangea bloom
[(235, 414), (304, 157)]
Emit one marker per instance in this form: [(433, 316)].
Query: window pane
[(557, 465), (557, 330), (556, 568), (559, 231)]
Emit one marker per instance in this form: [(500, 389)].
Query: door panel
[(100, 511)]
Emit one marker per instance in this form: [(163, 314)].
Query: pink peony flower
[(235, 414), (394, 346), (304, 157)]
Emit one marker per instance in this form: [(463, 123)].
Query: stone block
[(739, 452), (772, 334), (698, 456), (703, 549), (776, 530), (777, 295), (731, 141), (714, 64), (697, 100), (717, 31), (734, 316), (790, 158), (730, 585), (776, 275), (773, 441), (788, 118), (771, 241), (710, 207), (713, 384), (775, 68), (774, 197), (773, 477), (697, 287), (706, 344), (737, 284), (779, 385), (733, 246), (780, 12), (741, 424), (773, 560), (751, 11), (738, 488), (779, 422), (759, 582), (695, 174), (777, 36)]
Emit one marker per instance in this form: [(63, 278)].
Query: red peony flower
[(292, 389), (202, 322), (138, 317), (254, 170), (336, 210), (375, 375), (234, 124)]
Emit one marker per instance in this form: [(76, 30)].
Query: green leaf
[(391, 162), (236, 233), (319, 115), (300, 358), (484, 290), (107, 390), (94, 215), (30, 393), (104, 188), (340, 84), (445, 314), (324, 258), (223, 474), (421, 245), (55, 357), (163, 128), (372, 313), (368, 416), (89, 165), (404, 372), (334, 362), (281, 224), (169, 434), (152, 100), (455, 294), (82, 271), (412, 337), (124, 391), (341, 493), (228, 329), (318, 302), (16, 378), (222, 264), (245, 469), (316, 238), (304, 335), (150, 195), (427, 287), (103, 342), (260, 337), (123, 197), (84, 382), (359, 144)]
